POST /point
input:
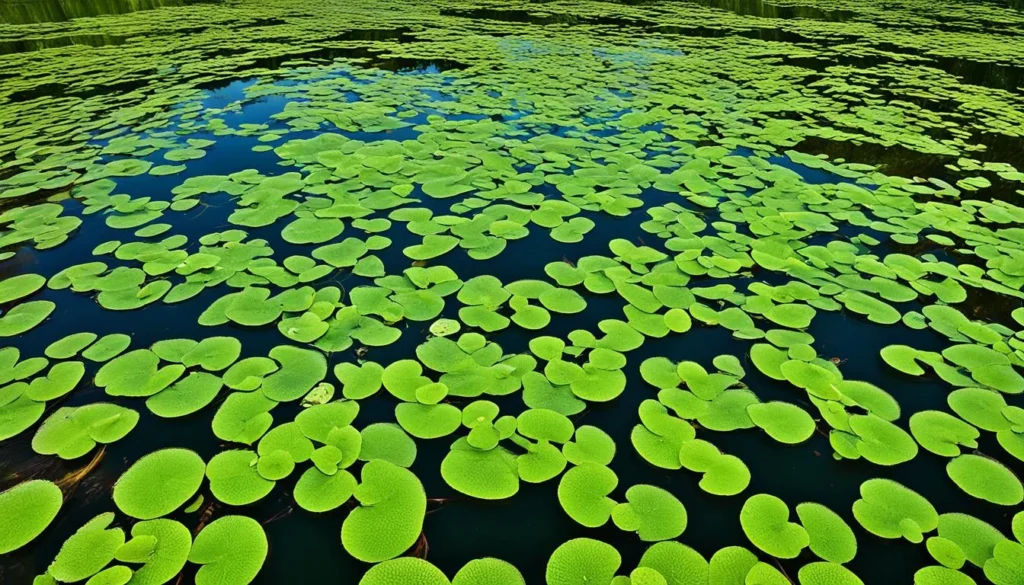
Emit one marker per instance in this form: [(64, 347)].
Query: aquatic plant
[(536, 228)]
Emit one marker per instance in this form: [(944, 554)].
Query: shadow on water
[(62, 90), (541, 18), (762, 34), (400, 35), (970, 71), (366, 58), (30, 45), (994, 75), (900, 161), (36, 91), (38, 11), (892, 160), (765, 10)]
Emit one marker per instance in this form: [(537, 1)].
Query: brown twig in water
[(422, 547), (283, 513), (69, 482), (784, 573), (204, 517), (439, 501)]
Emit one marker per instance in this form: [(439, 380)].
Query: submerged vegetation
[(478, 293)]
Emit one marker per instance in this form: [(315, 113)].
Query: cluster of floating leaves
[(522, 224)]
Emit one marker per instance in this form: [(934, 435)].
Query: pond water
[(575, 291)]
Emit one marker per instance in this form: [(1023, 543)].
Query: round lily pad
[(583, 492), (159, 483), (24, 317), (582, 560), (830, 537), (428, 421), (318, 492), (389, 442), (390, 516), (488, 475), (70, 346), (765, 520), (676, 562), (986, 479), (590, 445), (784, 422), (488, 571), (231, 549), (404, 570), (890, 510), (235, 478), (827, 574), (72, 432), (653, 513), (19, 286), (28, 508)]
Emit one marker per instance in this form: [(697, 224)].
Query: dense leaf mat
[(717, 293)]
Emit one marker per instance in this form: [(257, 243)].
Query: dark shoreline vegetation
[(649, 292)]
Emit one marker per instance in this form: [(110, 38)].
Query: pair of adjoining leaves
[(539, 432), (486, 571), (668, 442), (584, 560), (765, 520), (653, 513), (875, 439), (72, 432), (24, 402), (986, 366)]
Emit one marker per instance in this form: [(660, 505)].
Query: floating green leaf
[(986, 479), (27, 508), (890, 510), (404, 570), (582, 561), (72, 432), (651, 512), (88, 550), (159, 483), (231, 549), (784, 422), (765, 520), (830, 537), (390, 516)]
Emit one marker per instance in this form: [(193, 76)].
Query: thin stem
[(70, 481)]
